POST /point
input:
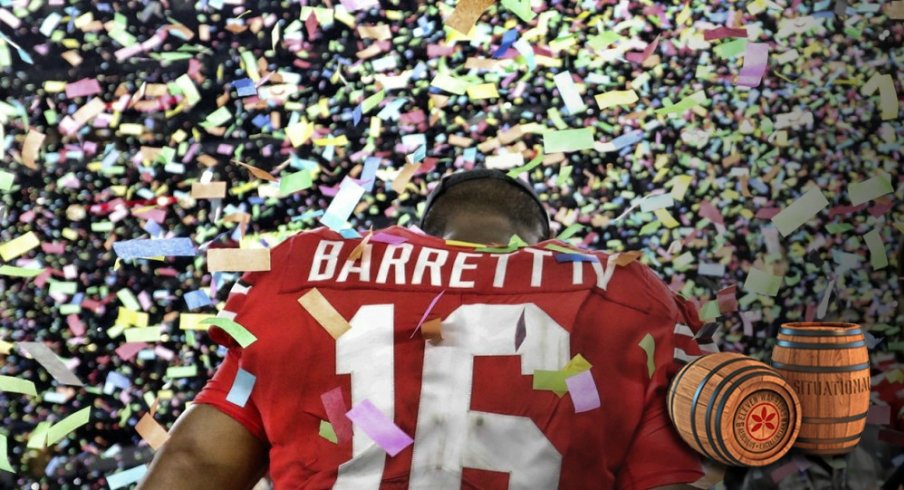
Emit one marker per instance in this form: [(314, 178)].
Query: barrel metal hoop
[(807, 345), (721, 406), (839, 440), (819, 369), (697, 397), (834, 420), (798, 332)]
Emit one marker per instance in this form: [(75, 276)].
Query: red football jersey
[(468, 400)]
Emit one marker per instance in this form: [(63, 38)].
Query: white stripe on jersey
[(682, 329)]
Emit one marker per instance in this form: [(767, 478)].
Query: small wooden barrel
[(734, 409), (827, 364)]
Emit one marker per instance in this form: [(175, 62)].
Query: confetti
[(238, 259), (762, 282), (379, 427), (567, 140), (143, 248), (19, 246), (867, 190), (648, 344), (241, 388), (584, 394), (334, 404), (66, 426), (801, 211), (324, 313), (239, 333), (46, 358)]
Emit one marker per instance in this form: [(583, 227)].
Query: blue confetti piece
[(196, 299), (627, 140), (153, 228), (349, 234), (245, 87), (508, 39), (369, 174), (564, 258), (127, 477), (241, 388), (356, 115), (141, 248)]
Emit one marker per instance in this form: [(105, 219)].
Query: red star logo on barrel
[(762, 421)]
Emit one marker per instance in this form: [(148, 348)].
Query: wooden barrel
[(827, 364), (734, 409)]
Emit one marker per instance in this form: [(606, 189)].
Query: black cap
[(485, 173)]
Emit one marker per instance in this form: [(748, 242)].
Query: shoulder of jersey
[(292, 249), (637, 286)]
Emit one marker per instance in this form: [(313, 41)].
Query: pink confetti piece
[(723, 32), (379, 427), (83, 88), (756, 60), (388, 238), (334, 404), (639, 58), (583, 392), (427, 312)]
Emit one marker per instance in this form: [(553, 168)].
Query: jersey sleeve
[(657, 455), (216, 391)]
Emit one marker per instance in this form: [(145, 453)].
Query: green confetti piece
[(568, 140), (372, 101), (762, 282), (710, 310), (66, 426), (521, 8), (182, 371), (731, 49), (128, 299), (800, 211), (327, 432), (4, 458), (38, 437), (295, 182), (6, 181), (553, 381), (216, 118), (839, 228), (236, 331), (63, 287), (648, 344), (12, 271), (142, 334), (867, 190), (515, 172), (570, 231), (17, 385)]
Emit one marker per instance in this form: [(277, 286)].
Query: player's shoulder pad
[(637, 286)]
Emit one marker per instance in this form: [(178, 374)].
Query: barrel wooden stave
[(829, 369), (704, 402)]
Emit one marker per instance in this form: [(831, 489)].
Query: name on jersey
[(408, 265)]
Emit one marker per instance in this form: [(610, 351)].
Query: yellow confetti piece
[(31, 147), (19, 246), (322, 311), (459, 243), (648, 344), (616, 98), (337, 141), (192, 321), (238, 259), (666, 218), (299, 133), (483, 91)]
